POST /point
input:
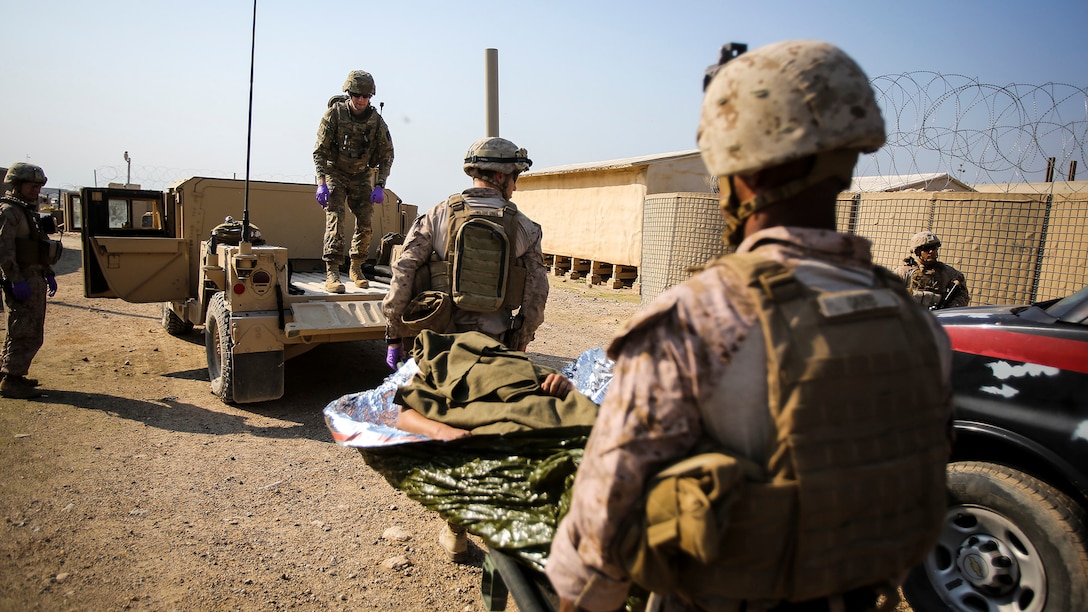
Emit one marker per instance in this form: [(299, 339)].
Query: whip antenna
[(249, 128)]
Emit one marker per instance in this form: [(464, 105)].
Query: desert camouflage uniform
[(348, 145), (430, 232), (26, 320), (935, 279), (704, 348)]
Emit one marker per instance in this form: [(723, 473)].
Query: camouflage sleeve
[(418, 245), (382, 153), (536, 286), (649, 416), (9, 225), (326, 139)]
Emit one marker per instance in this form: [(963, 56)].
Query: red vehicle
[(1016, 534)]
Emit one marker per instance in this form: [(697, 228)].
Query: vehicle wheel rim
[(983, 561)]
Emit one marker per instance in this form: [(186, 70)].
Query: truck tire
[(220, 348), (1009, 542), (173, 324)]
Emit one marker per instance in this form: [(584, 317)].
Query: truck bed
[(313, 283)]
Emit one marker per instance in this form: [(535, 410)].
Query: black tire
[(173, 324), (220, 348), (1009, 543)]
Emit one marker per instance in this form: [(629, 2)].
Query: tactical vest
[(853, 492), (480, 269), (354, 136), (37, 249), (935, 278)]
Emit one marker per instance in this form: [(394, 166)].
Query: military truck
[(259, 304)]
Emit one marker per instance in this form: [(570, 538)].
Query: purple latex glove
[(394, 355), (52, 282), (323, 195), (378, 195), (21, 291)]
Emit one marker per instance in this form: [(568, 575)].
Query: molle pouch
[(47, 223), (51, 251), (481, 260)]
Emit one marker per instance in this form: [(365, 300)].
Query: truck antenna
[(249, 128)]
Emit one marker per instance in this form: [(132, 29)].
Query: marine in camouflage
[(25, 320), (929, 280), (430, 234), (350, 149), (781, 126)]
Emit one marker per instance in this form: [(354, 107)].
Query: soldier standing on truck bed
[(467, 264), (26, 256), (353, 155), (778, 386)]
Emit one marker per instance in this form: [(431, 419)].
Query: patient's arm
[(413, 422)]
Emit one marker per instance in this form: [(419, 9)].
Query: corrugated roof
[(614, 164), (934, 181)]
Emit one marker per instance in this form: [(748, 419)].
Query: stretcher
[(506, 489)]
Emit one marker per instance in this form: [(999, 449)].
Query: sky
[(169, 82)]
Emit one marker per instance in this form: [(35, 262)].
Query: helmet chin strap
[(829, 164)]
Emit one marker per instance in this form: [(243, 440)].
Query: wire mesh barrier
[(1012, 248), (679, 230)]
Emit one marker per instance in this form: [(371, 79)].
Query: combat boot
[(332, 278), (454, 541), (357, 273), (18, 387)]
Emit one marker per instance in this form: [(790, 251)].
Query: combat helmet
[(922, 239), (784, 102), (495, 154), (23, 172), (359, 82)]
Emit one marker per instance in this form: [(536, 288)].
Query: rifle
[(952, 291)]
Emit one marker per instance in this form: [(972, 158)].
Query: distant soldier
[(353, 156), (929, 281), (26, 255), (467, 265)]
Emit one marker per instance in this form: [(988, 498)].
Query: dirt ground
[(129, 486)]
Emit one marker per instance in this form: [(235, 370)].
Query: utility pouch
[(51, 251), (47, 223), (515, 287)]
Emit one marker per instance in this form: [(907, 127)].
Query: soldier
[(499, 268), (929, 281), (27, 277), (353, 155), (802, 517)]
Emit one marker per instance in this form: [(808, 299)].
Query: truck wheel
[(1009, 542), (220, 348), (173, 324)]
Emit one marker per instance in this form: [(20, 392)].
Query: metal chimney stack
[(491, 70)]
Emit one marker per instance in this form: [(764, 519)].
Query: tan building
[(592, 213)]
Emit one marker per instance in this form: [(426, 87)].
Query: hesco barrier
[(1013, 248), (679, 230)]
